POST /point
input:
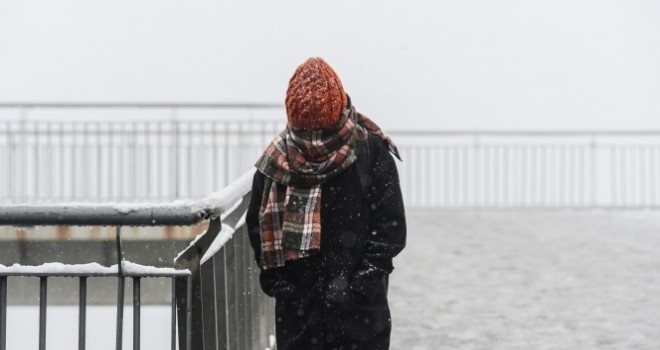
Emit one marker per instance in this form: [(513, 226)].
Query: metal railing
[(144, 157), (127, 151), (216, 268), (531, 169), (191, 297), (83, 273)]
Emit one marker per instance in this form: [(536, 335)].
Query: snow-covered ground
[(528, 280), (473, 281)]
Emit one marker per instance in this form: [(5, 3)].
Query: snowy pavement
[(528, 280), (475, 281)]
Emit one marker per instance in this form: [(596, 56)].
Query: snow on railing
[(57, 269), (241, 315), (229, 310)]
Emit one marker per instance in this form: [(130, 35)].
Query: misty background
[(549, 241), (528, 64)]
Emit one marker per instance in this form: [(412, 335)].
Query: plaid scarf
[(296, 163)]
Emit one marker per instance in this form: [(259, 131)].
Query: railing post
[(177, 157), (11, 168), (189, 293), (593, 165), (120, 312), (136, 313), (43, 302), (23, 190), (476, 142), (173, 322), (3, 313), (227, 165), (82, 313), (652, 176), (120, 292)]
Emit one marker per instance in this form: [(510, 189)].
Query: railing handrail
[(203, 105), (275, 105), (484, 132), (184, 213), (228, 205)]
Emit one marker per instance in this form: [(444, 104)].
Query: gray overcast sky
[(526, 64)]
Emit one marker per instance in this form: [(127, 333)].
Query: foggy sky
[(526, 64)]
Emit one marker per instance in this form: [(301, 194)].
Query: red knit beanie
[(315, 97)]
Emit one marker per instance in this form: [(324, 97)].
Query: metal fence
[(226, 313), (531, 169), (144, 157), (214, 292), (127, 152)]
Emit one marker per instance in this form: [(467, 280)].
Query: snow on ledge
[(218, 203), (93, 269), (212, 206), (146, 270), (200, 235), (57, 268), (121, 208), (226, 233)]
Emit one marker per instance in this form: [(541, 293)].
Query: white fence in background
[(84, 152), (579, 169), (101, 153)]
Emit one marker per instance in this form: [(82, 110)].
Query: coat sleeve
[(387, 223), (274, 282)]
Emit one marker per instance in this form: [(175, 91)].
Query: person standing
[(326, 218)]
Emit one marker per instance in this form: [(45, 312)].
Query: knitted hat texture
[(315, 97)]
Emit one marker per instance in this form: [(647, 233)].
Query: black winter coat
[(337, 298)]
